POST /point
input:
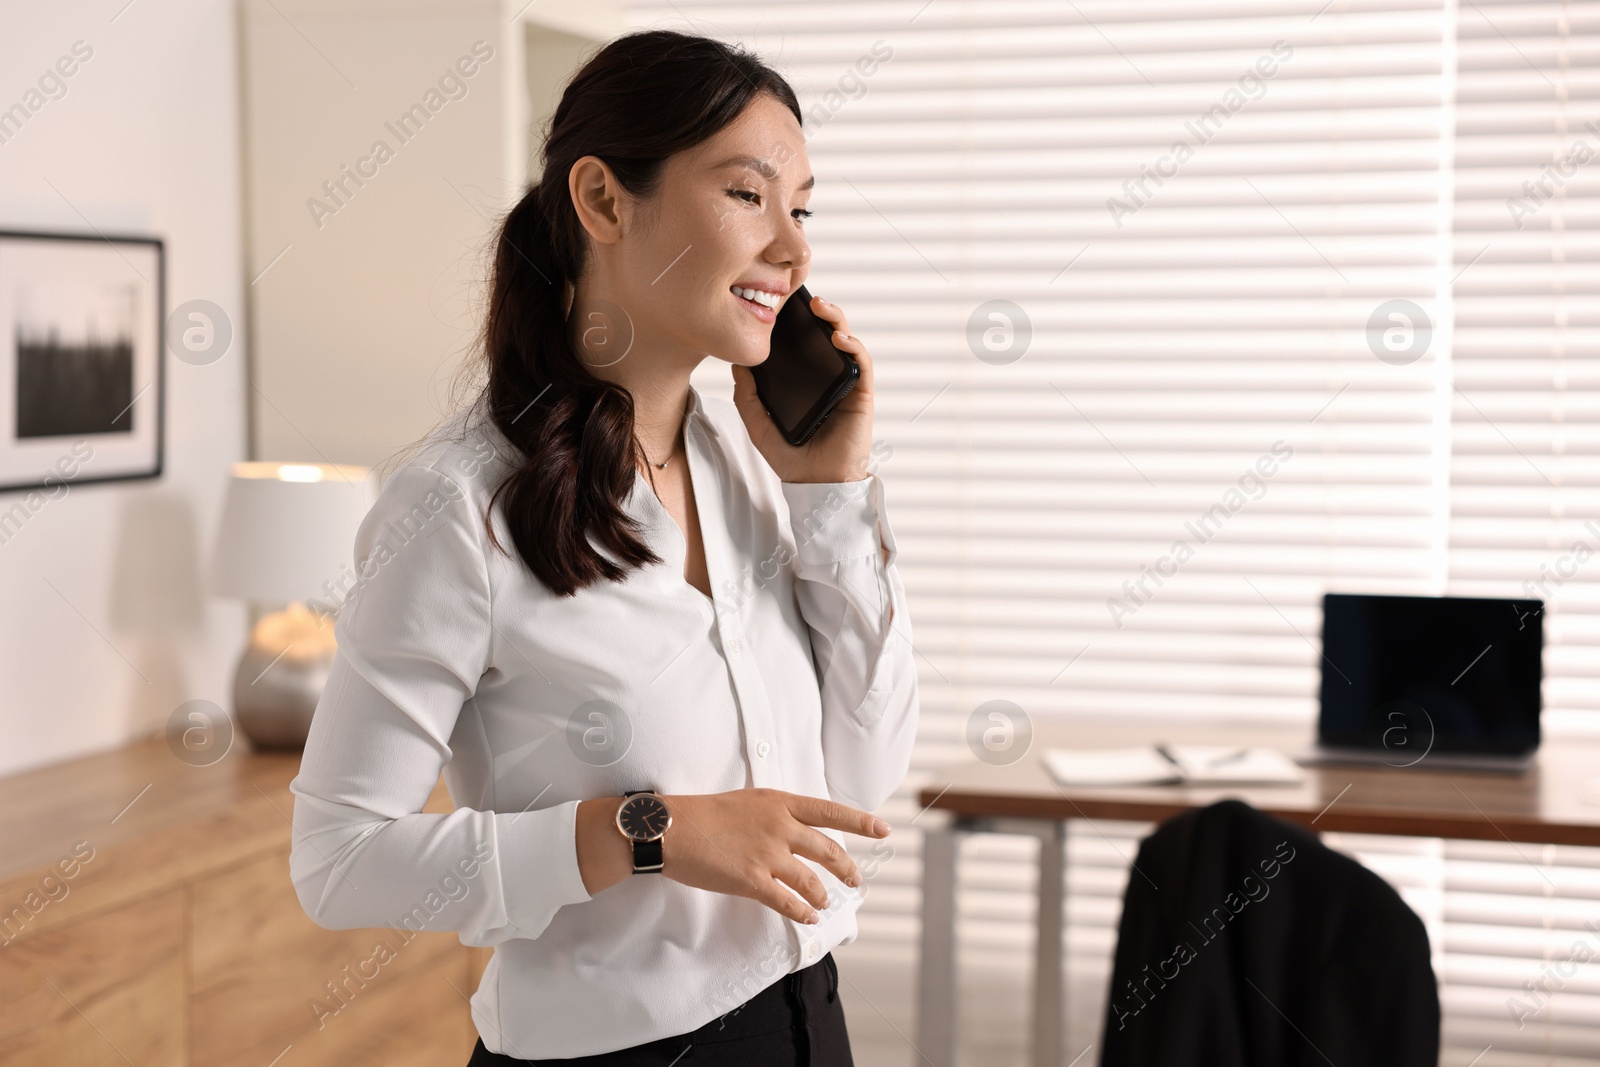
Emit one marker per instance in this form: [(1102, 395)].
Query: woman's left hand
[(840, 450)]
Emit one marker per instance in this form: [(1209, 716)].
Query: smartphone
[(804, 376)]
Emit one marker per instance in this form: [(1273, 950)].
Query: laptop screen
[(1409, 675)]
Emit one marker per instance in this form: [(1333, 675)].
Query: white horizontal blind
[(1178, 333), (1525, 497), (1177, 329), (1525, 438)]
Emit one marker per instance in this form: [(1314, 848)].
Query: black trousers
[(797, 1021)]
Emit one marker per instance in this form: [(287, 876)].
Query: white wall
[(360, 320), (105, 627), (369, 293)]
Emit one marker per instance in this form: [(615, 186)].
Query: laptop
[(1439, 682)]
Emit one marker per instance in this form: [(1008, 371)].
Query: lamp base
[(280, 677)]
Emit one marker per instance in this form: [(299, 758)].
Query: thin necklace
[(663, 464), (682, 436)]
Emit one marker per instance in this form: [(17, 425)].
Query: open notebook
[(1172, 765)]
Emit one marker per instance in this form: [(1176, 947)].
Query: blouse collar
[(695, 415), (696, 408)]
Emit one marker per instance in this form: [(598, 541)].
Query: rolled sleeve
[(853, 601), (835, 521)]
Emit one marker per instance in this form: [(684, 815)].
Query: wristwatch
[(643, 819)]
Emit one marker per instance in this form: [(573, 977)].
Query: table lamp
[(287, 536)]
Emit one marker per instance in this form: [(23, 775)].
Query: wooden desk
[(146, 916), (1555, 802)]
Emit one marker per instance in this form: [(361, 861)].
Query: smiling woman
[(687, 229), (567, 636)]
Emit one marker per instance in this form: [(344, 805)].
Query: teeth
[(761, 297)]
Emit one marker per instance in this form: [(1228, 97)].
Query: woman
[(661, 656)]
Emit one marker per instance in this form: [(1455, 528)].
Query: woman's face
[(726, 216)]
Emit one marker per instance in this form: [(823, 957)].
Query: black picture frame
[(82, 330)]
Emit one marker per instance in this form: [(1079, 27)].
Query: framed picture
[(81, 372)]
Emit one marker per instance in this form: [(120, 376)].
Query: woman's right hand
[(749, 842)]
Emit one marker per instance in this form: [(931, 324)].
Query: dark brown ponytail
[(640, 99)]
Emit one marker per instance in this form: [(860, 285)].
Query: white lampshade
[(287, 529)]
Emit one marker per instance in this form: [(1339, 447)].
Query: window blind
[(1162, 299), (1525, 499)]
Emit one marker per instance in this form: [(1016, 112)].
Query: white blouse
[(454, 657)]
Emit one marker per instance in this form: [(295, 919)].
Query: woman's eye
[(750, 196)]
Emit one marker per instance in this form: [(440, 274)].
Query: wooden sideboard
[(147, 918)]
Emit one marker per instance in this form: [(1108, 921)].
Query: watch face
[(644, 817)]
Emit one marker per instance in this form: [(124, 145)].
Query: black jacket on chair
[(1247, 942)]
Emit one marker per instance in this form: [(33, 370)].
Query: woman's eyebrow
[(761, 167)]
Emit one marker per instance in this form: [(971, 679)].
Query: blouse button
[(762, 748), (734, 645)]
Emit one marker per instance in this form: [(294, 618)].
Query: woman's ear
[(596, 197)]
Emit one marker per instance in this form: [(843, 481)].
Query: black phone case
[(828, 399)]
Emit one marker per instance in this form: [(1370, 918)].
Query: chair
[(1247, 942)]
